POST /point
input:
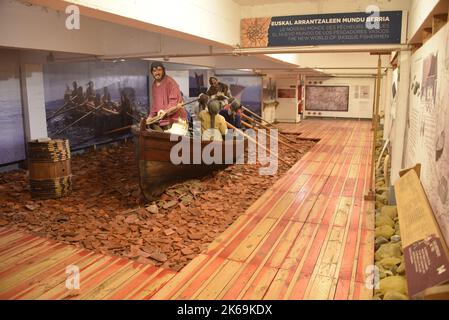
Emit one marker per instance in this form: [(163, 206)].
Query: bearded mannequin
[(165, 93)]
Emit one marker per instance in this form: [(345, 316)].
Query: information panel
[(322, 29)]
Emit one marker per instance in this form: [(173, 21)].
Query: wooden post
[(371, 196), (374, 103)]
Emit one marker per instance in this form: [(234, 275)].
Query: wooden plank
[(279, 285), (201, 280), (302, 213), (317, 212), (98, 278), (111, 285), (25, 238), (91, 270), (366, 255), (183, 278), (259, 286), (153, 286), (135, 283), (285, 244), (23, 251), (247, 246), (242, 279), (7, 239), (343, 210), (327, 263), (319, 288), (22, 246), (229, 234), (266, 247), (342, 290), (16, 263), (38, 266), (48, 282), (299, 183), (282, 205), (219, 281), (22, 287)]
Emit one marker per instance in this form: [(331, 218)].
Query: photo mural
[(198, 82), (428, 123), (12, 140), (248, 89), (94, 102)]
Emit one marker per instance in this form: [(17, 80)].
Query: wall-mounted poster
[(364, 92), (428, 121), (248, 89), (286, 93), (356, 92), (86, 101), (12, 140), (327, 98)]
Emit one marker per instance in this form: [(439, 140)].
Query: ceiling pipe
[(237, 51), (324, 49)]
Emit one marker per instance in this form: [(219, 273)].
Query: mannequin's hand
[(161, 113)]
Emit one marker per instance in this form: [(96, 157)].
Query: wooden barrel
[(50, 169)]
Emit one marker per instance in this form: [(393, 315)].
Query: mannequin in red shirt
[(165, 94)]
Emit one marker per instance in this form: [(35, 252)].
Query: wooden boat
[(156, 170)]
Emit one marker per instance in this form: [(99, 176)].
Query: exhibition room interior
[(224, 150)]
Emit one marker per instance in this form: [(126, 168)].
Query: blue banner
[(323, 29)]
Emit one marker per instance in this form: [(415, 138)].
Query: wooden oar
[(265, 127), (168, 112), (118, 129), (258, 117), (255, 141), (246, 124), (57, 112), (110, 111), (61, 112), (82, 117)]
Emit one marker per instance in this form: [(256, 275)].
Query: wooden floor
[(310, 236)]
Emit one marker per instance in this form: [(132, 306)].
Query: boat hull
[(158, 169)]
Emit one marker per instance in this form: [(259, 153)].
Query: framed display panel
[(327, 98)]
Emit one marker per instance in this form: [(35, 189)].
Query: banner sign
[(322, 29)]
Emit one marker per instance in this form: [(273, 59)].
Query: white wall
[(32, 81), (287, 109), (357, 108)]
